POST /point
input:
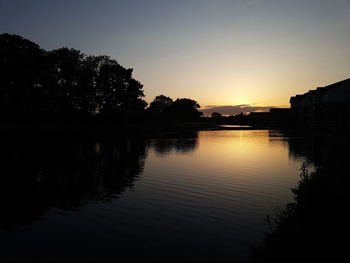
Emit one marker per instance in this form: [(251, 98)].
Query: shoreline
[(102, 129)]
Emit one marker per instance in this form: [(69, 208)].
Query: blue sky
[(222, 52)]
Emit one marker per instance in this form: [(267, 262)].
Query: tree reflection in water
[(66, 173), (63, 172), (181, 143)]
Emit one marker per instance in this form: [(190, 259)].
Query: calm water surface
[(199, 197)]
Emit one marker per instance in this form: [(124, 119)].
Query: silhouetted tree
[(63, 83), (117, 92), (186, 109), (161, 104), (89, 72), (216, 115), (22, 67), (164, 108), (67, 93), (68, 85)]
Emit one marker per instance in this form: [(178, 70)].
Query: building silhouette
[(323, 107)]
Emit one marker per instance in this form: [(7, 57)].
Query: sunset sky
[(218, 52)]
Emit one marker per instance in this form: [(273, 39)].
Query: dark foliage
[(216, 115), (312, 228), (63, 84), (161, 104), (164, 108), (22, 66)]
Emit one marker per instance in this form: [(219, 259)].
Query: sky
[(218, 52)]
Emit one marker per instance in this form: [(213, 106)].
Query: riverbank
[(102, 128), (311, 227)]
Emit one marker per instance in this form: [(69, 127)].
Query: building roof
[(345, 82)]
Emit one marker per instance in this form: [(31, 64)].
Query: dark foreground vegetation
[(67, 86), (315, 226)]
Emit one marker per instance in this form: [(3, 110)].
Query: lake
[(199, 197)]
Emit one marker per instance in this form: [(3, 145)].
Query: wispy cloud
[(234, 109)]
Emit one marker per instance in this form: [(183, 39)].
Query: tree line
[(65, 84)]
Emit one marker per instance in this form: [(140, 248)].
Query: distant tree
[(186, 109), (161, 104), (164, 108), (216, 115)]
